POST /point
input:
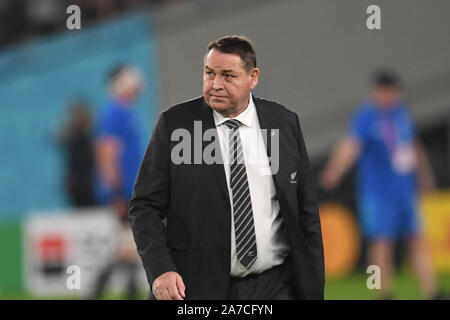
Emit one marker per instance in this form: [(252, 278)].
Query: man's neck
[(233, 114)]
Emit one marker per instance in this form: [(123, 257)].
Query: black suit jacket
[(181, 215)]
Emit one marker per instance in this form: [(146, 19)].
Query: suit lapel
[(267, 121), (271, 120), (206, 116)]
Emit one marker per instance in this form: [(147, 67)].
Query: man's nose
[(217, 83)]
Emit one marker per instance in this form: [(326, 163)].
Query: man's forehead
[(221, 68), (223, 61)]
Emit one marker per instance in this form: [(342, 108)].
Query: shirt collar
[(245, 117)]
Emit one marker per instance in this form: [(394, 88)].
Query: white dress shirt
[(272, 247)]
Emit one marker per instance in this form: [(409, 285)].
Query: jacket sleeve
[(149, 203), (310, 221)]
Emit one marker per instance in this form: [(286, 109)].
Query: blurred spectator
[(76, 140), (391, 164), (25, 19), (45, 16), (13, 21), (118, 156)]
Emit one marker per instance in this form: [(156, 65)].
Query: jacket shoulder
[(275, 107), (183, 107)]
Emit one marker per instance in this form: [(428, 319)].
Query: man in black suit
[(224, 205)]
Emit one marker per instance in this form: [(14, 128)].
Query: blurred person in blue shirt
[(118, 156), (118, 142), (392, 168)]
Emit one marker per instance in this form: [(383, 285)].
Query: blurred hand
[(169, 286), (127, 250), (121, 207), (343, 157), (329, 178), (427, 185)]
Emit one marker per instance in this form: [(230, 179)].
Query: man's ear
[(254, 76)]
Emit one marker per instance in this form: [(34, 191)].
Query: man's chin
[(219, 106)]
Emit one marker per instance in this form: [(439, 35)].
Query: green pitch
[(405, 287), (352, 287)]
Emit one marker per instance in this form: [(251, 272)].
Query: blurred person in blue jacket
[(392, 169), (118, 156)]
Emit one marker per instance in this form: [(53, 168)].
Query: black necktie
[(244, 228)]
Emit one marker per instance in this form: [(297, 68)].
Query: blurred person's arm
[(108, 150), (424, 172), (343, 157)]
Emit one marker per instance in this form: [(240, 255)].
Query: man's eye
[(229, 76)]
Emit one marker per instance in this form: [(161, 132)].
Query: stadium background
[(315, 57)]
